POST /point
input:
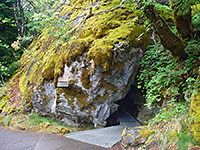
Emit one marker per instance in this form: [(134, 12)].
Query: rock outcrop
[(195, 113), (135, 136), (78, 76)]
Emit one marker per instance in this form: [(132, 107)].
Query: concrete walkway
[(97, 139), (106, 137)]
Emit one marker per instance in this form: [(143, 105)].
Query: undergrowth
[(169, 84), (36, 122), (165, 78)]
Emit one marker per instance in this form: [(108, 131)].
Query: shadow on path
[(21, 140)]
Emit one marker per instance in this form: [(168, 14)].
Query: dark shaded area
[(131, 104)]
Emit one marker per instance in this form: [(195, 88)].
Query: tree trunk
[(183, 20), (16, 18), (21, 17), (167, 38), (20, 24)]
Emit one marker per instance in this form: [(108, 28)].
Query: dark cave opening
[(132, 104)]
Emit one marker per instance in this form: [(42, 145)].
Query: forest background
[(20, 22)]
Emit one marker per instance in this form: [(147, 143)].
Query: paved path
[(21, 140), (126, 119), (14, 140), (53, 142), (106, 137), (97, 139)]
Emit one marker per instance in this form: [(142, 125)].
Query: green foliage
[(64, 31), (159, 72), (8, 33), (3, 71), (174, 110), (165, 79), (34, 119), (40, 14), (164, 10), (174, 133), (196, 21), (184, 139), (183, 6)]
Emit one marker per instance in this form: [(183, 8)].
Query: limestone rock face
[(73, 103), (146, 114), (78, 80)]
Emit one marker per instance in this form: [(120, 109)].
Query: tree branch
[(183, 20), (31, 3), (167, 38), (16, 18)]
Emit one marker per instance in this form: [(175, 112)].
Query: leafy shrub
[(165, 78)]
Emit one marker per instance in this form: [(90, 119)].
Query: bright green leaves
[(38, 15), (60, 28), (173, 111), (8, 33), (3, 71), (165, 79), (181, 6)]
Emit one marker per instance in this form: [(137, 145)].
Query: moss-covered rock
[(77, 77), (135, 136), (52, 128), (195, 112)]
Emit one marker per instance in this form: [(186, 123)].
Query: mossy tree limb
[(182, 18), (167, 38)]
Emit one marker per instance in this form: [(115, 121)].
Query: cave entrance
[(130, 105)]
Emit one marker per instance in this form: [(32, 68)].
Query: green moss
[(71, 93), (195, 112), (108, 86), (3, 102), (101, 98), (145, 132), (136, 136), (195, 9), (47, 55), (85, 78), (5, 106)]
